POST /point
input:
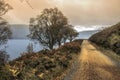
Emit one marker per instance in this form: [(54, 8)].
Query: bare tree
[(51, 28), (4, 7), (45, 28), (5, 31), (71, 33), (30, 48), (66, 33)]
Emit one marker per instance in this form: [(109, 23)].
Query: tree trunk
[(71, 39), (59, 43), (51, 47), (64, 41)]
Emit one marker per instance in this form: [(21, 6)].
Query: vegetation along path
[(94, 65)]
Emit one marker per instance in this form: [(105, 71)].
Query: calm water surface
[(15, 47)]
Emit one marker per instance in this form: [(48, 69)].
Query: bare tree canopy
[(70, 33), (48, 27), (4, 7), (5, 32)]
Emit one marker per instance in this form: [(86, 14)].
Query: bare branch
[(29, 4), (27, 1)]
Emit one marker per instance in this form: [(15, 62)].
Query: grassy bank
[(111, 54)]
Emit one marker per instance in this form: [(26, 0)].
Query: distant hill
[(19, 31), (90, 31), (86, 34), (108, 38)]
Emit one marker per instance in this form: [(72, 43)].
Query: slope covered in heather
[(108, 38), (43, 65)]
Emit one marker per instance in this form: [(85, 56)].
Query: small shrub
[(71, 47)]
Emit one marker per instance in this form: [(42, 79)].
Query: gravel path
[(93, 65)]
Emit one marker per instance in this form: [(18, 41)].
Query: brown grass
[(94, 65)]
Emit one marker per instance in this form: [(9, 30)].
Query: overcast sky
[(79, 12)]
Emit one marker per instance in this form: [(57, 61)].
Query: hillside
[(43, 65), (86, 34), (108, 38)]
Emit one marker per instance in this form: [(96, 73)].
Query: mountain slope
[(108, 38)]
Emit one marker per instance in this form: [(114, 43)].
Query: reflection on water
[(15, 47)]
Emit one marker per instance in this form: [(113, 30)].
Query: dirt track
[(94, 65)]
